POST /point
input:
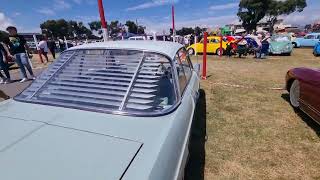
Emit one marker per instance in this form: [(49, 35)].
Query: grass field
[(252, 131)]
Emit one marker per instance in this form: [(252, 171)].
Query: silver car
[(103, 111)]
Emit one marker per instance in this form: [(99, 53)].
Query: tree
[(95, 25), (284, 7), (134, 28), (185, 31), (78, 29), (56, 28), (251, 12)]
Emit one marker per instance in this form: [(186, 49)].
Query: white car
[(103, 111)]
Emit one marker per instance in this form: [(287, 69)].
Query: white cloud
[(208, 22), (151, 4), (58, 5), (46, 11), (4, 21), (61, 5), (224, 6)]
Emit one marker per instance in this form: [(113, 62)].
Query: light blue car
[(310, 40), (103, 111)]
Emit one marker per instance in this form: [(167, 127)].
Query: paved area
[(16, 87)]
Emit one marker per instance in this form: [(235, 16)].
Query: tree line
[(73, 29)]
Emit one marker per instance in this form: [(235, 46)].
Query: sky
[(27, 15)]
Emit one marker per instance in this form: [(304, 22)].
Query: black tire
[(218, 51), (295, 45), (294, 94), (191, 51)]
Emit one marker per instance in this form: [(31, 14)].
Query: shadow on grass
[(197, 156), (308, 120)]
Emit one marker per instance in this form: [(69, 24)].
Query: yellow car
[(213, 46)]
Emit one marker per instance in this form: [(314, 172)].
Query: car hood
[(279, 45), (38, 150)]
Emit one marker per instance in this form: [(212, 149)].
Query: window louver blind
[(105, 80)]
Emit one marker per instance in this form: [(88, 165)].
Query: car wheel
[(219, 52), (295, 94), (295, 45), (191, 51)]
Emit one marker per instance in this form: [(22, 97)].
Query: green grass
[(254, 133)]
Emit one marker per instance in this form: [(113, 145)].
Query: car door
[(310, 94), (308, 40), (213, 45)]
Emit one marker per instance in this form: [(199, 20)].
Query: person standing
[(52, 47), (18, 45), (4, 66), (62, 45), (43, 46)]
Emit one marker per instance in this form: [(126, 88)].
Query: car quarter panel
[(53, 153), (309, 90)]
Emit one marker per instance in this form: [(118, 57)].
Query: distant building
[(29, 36)]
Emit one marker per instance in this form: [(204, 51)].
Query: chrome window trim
[(115, 112)]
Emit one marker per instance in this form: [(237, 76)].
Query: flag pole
[(173, 23), (103, 21)]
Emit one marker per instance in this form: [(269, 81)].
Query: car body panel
[(12, 130), (309, 80), (212, 46), (316, 49), (53, 152), (280, 47), (146, 143), (310, 40)]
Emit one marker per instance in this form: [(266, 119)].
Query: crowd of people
[(14, 49)]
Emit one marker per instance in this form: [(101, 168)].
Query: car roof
[(313, 34), (164, 47)]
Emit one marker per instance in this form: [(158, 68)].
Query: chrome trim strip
[(135, 75)]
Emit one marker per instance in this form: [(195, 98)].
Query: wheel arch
[(289, 83)]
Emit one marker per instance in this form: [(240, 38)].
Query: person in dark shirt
[(52, 47), (18, 45), (4, 66)]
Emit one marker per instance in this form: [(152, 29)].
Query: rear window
[(116, 81)]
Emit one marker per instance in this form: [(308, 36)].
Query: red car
[(303, 85)]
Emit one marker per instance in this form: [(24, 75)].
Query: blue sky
[(155, 14)]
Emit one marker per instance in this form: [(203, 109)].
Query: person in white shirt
[(43, 46)]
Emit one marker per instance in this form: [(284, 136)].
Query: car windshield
[(111, 81), (280, 38)]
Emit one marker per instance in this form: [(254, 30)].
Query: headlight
[(288, 47)]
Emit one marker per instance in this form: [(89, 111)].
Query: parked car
[(280, 44), (316, 49), (310, 40), (114, 110), (140, 38), (303, 85), (213, 46)]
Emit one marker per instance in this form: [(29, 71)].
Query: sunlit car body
[(303, 85), (309, 40), (280, 44), (115, 110), (316, 49), (213, 46)]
